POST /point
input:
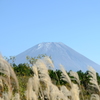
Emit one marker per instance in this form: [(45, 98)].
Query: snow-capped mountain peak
[(61, 54)]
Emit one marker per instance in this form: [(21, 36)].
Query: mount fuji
[(60, 54)]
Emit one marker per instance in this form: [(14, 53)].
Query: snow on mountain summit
[(61, 54), (47, 45)]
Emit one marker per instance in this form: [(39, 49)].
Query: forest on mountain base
[(37, 80)]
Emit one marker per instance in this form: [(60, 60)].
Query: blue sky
[(25, 23)]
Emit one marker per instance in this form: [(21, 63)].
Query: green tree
[(23, 70)]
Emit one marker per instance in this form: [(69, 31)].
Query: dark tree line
[(24, 70)]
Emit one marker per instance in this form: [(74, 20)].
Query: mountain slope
[(61, 54)]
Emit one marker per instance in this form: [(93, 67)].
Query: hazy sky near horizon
[(25, 23)]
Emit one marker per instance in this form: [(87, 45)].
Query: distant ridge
[(61, 54)]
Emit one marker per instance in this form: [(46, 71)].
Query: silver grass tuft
[(48, 62), (74, 88), (6, 69), (95, 97), (16, 97), (93, 78), (8, 72), (65, 76), (65, 91), (75, 92), (32, 85), (56, 94), (75, 76)]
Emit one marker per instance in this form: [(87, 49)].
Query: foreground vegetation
[(41, 82)]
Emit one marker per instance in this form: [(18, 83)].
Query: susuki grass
[(40, 86)]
